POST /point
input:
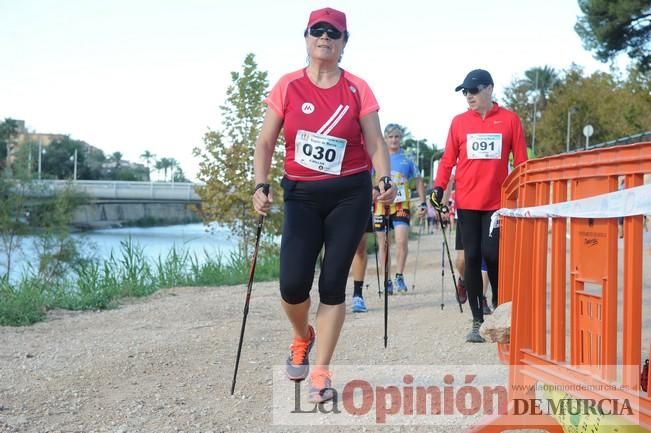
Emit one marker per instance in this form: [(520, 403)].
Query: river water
[(155, 242)]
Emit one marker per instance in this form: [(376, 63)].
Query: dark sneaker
[(321, 386), (473, 336), (400, 285), (461, 291), (487, 309), (298, 364)]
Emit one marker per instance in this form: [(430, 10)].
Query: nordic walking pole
[(386, 274), (249, 288), (447, 248), (442, 275), (377, 264), (420, 230), (387, 185)]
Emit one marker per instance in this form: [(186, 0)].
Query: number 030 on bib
[(484, 146), (319, 152)]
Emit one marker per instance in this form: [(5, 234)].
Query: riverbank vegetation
[(98, 285), (63, 273)]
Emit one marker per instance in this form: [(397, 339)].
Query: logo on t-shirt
[(308, 108)]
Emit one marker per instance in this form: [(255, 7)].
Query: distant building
[(43, 140), (25, 137)]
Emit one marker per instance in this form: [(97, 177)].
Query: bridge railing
[(125, 190)]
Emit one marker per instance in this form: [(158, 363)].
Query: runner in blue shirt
[(402, 171)]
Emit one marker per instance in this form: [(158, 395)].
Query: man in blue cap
[(479, 144)]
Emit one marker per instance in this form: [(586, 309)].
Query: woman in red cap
[(332, 138)]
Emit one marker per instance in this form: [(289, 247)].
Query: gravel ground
[(165, 363)]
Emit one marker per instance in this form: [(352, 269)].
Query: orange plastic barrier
[(564, 323)]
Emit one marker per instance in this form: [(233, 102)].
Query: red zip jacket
[(478, 181)]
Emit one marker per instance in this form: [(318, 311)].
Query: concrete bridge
[(103, 191), (117, 203)]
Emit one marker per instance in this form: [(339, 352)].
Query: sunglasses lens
[(472, 91), (317, 32)]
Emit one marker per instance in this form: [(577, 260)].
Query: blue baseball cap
[(475, 78)]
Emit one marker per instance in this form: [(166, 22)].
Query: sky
[(137, 75)]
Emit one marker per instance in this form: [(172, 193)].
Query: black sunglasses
[(473, 91), (332, 33)]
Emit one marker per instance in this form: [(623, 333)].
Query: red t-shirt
[(332, 112), (482, 162)]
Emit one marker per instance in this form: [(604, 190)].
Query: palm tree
[(537, 85), (165, 163), (539, 81), (173, 164), (147, 156), (159, 166), (116, 157)]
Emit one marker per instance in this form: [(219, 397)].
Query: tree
[(426, 155), (615, 108), (116, 159), (15, 193), (58, 252), (179, 175), (92, 165), (148, 157), (173, 165), (613, 26), (58, 160), (158, 165), (540, 81), (226, 161), (536, 85), (8, 130), (165, 164)]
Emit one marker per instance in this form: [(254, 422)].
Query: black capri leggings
[(331, 213), (474, 226)]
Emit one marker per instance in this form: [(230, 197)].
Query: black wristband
[(386, 179), (265, 187)]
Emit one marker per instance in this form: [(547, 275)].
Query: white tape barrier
[(627, 202)]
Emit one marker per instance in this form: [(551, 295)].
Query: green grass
[(23, 303), (126, 273)]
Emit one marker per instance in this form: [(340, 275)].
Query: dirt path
[(164, 364)]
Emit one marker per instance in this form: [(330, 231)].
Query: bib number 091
[(483, 146), (318, 152)]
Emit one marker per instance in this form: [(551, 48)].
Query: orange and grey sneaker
[(298, 364), (462, 294), (321, 386)]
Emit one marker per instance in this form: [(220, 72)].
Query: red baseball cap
[(335, 18)]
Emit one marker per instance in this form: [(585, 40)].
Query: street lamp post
[(41, 151), (567, 136), (535, 109), (74, 170), (431, 164), (29, 161), (418, 153)]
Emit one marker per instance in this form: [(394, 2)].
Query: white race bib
[(319, 152), (484, 146), (401, 193)]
